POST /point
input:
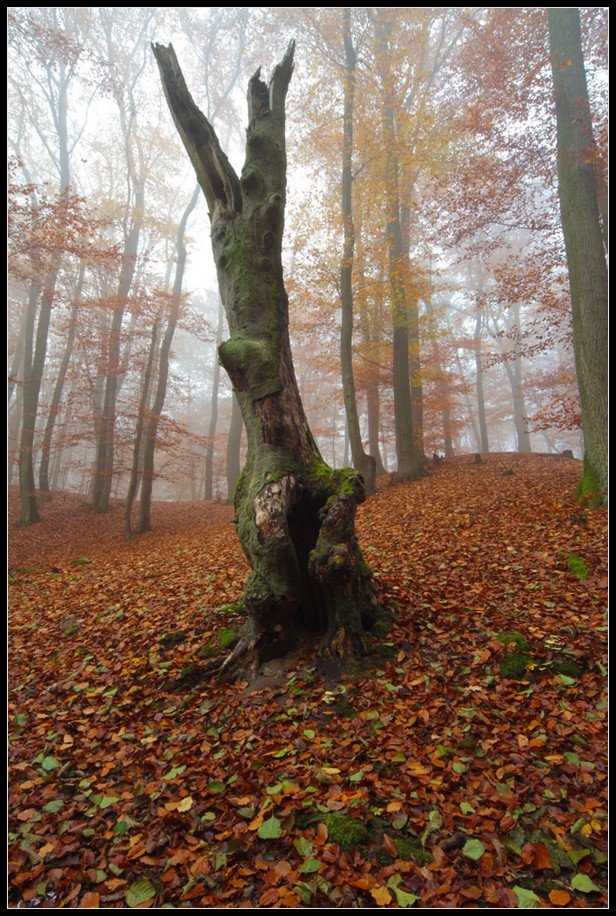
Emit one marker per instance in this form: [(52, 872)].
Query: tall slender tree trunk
[(149, 444), (211, 432), (105, 448), (234, 441), (34, 362), (295, 515), (481, 404), (442, 381), (588, 284), (14, 427), (369, 335), (413, 320), (56, 399), (410, 459), (133, 483), (362, 462), (470, 412)]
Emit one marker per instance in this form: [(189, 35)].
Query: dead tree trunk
[(295, 516)]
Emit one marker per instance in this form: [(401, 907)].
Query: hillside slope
[(463, 765)]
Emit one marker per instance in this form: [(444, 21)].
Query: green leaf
[(399, 821), (473, 849), (270, 829), (220, 860), (140, 892), (398, 757), (309, 733), (458, 767), (583, 884), (465, 808), (175, 771), (50, 763), (303, 846), (54, 806), (403, 898), (21, 719), (274, 790), (355, 777), (107, 801), (309, 866), (527, 900), (214, 785)]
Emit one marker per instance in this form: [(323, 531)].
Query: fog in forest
[(114, 313)]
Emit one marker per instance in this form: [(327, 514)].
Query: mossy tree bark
[(234, 442), (294, 514), (584, 242)]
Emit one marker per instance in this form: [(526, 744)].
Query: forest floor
[(463, 765)]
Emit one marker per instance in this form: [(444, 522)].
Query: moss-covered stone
[(410, 850), (514, 639), (170, 640), (515, 665), (568, 667), (343, 709), (346, 831)]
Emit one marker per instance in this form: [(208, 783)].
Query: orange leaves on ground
[(559, 898), (463, 783)]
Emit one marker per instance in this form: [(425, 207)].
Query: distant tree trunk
[(133, 483), (15, 369), (105, 449), (362, 462), (588, 283), (13, 436), (413, 322), (57, 464), (369, 339), (442, 381), (295, 515), (34, 363), (410, 459), (234, 442), (149, 444), (469, 409), (211, 433), (481, 404), (56, 399)]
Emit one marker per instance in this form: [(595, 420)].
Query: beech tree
[(295, 515), (584, 242)]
